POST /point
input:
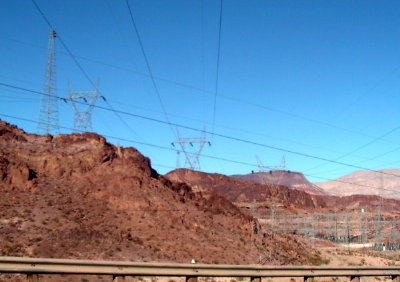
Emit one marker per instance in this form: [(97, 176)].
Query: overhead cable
[(232, 138)]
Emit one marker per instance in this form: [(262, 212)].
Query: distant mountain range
[(385, 184), (293, 180)]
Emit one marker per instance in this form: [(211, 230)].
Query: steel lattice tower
[(49, 117), (83, 118), (264, 168), (192, 159)]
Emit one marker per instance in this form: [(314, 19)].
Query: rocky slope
[(370, 203), (293, 180), (259, 199), (77, 196), (237, 190), (343, 186)]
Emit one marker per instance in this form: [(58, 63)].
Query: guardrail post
[(255, 279), (309, 279), (396, 278), (32, 277), (118, 278), (191, 279), (355, 278)]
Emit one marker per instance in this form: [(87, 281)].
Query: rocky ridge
[(78, 196), (386, 185), (290, 179)]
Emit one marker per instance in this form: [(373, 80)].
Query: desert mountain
[(77, 196), (236, 189), (387, 186), (262, 197), (293, 180)]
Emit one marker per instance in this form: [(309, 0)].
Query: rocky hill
[(236, 189), (387, 186), (293, 180), (258, 197), (77, 196)]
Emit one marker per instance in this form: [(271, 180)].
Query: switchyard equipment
[(363, 229)]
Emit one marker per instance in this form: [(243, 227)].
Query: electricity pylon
[(48, 116), (263, 168), (83, 117), (192, 159)]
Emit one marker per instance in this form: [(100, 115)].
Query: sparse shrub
[(318, 260)]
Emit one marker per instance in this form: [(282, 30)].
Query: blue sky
[(315, 77)]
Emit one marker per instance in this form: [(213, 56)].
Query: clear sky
[(317, 77)]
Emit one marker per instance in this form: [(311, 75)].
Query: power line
[(49, 108), (80, 66), (148, 66), (210, 157), (216, 134), (218, 60), (242, 130), (361, 147), (63, 43), (207, 132), (245, 131), (237, 100), (201, 121), (368, 159)]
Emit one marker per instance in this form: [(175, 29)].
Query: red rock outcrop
[(290, 179), (237, 190), (77, 196)]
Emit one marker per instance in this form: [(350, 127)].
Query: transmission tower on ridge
[(48, 116), (192, 159), (83, 117), (276, 179), (263, 168)]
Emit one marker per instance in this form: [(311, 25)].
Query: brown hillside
[(365, 183), (288, 200), (293, 180), (77, 196), (237, 190), (368, 202)]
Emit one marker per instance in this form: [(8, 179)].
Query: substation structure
[(366, 230)]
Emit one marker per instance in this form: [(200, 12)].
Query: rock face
[(237, 190), (263, 196), (293, 180), (387, 186), (369, 203), (77, 196)]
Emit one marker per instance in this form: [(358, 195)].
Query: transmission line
[(247, 131), (232, 138), (148, 67), (207, 156), (237, 100), (218, 60), (368, 159), (243, 130), (360, 147), (81, 68)]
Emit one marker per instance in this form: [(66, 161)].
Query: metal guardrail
[(119, 269)]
